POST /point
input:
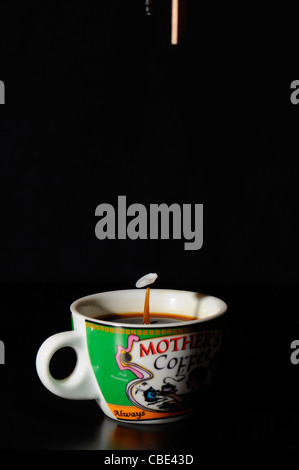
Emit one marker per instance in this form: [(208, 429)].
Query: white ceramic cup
[(138, 373)]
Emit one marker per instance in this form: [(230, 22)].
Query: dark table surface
[(252, 402)]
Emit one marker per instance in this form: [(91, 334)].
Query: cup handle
[(80, 384)]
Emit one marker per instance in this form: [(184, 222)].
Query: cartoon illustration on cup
[(148, 390), (124, 361)]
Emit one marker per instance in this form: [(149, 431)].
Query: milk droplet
[(145, 280)]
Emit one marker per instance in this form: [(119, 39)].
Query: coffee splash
[(142, 282)]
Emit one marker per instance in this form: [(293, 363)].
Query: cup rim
[(75, 304)]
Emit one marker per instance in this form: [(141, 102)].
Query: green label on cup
[(151, 373)]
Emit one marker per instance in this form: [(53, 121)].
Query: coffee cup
[(138, 373)]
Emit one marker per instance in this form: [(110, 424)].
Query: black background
[(99, 104)]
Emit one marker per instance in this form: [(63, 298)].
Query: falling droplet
[(142, 282), (146, 280)]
